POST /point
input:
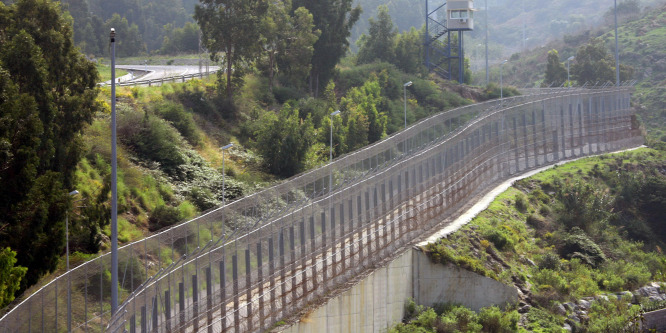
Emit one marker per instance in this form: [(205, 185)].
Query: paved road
[(142, 72)]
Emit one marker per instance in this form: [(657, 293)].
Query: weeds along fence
[(245, 266)]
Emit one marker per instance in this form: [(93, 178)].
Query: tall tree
[(128, 38), (47, 95), (409, 51), (335, 19), (379, 43), (296, 57), (556, 74), (595, 64), (232, 27)]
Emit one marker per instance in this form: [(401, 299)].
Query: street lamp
[(69, 277), (114, 181), (330, 183), (502, 83), (487, 75), (568, 60), (223, 170), (617, 54), (404, 88)]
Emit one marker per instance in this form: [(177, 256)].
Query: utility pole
[(114, 182)]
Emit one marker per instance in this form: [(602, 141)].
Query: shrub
[(163, 216), (521, 203), (541, 320), (550, 261), (284, 94), (501, 238), (578, 245), (548, 277), (180, 119)]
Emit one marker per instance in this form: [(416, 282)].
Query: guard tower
[(445, 52)]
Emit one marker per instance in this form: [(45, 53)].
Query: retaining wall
[(378, 302), (656, 320)]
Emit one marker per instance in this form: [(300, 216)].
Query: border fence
[(245, 266)]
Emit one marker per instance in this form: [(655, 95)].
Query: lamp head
[(571, 58), (408, 84), (335, 113), (75, 192), (227, 146), (113, 35)]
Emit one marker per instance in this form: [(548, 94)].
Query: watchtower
[(444, 52)]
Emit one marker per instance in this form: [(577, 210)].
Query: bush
[(521, 203), (163, 216), (180, 119), (501, 238), (284, 94), (578, 245), (550, 261)]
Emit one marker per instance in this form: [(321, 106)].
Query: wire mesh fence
[(246, 265)]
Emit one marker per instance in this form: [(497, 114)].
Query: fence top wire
[(301, 180)]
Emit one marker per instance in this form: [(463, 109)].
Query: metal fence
[(244, 266)]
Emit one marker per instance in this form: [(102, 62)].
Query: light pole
[(114, 182), (69, 277), (404, 88), (330, 183), (487, 75), (617, 54), (569, 60), (502, 83), (223, 170)]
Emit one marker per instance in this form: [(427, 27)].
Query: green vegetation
[(47, 97), (105, 72), (583, 229), (455, 318), (10, 276), (642, 43)]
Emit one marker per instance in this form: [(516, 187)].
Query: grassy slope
[(525, 237)]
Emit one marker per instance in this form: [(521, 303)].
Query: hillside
[(587, 228), (543, 20), (275, 107), (642, 45)]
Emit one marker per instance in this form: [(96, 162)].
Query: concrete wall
[(656, 320), (377, 302), (372, 305), (437, 283)]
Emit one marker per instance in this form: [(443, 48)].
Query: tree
[(296, 57), (409, 52), (365, 123), (232, 27), (181, 40), (127, 36), (47, 95), (379, 44), (284, 139), (335, 19), (595, 64), (289, 39), (10, 276), (556, 74)]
